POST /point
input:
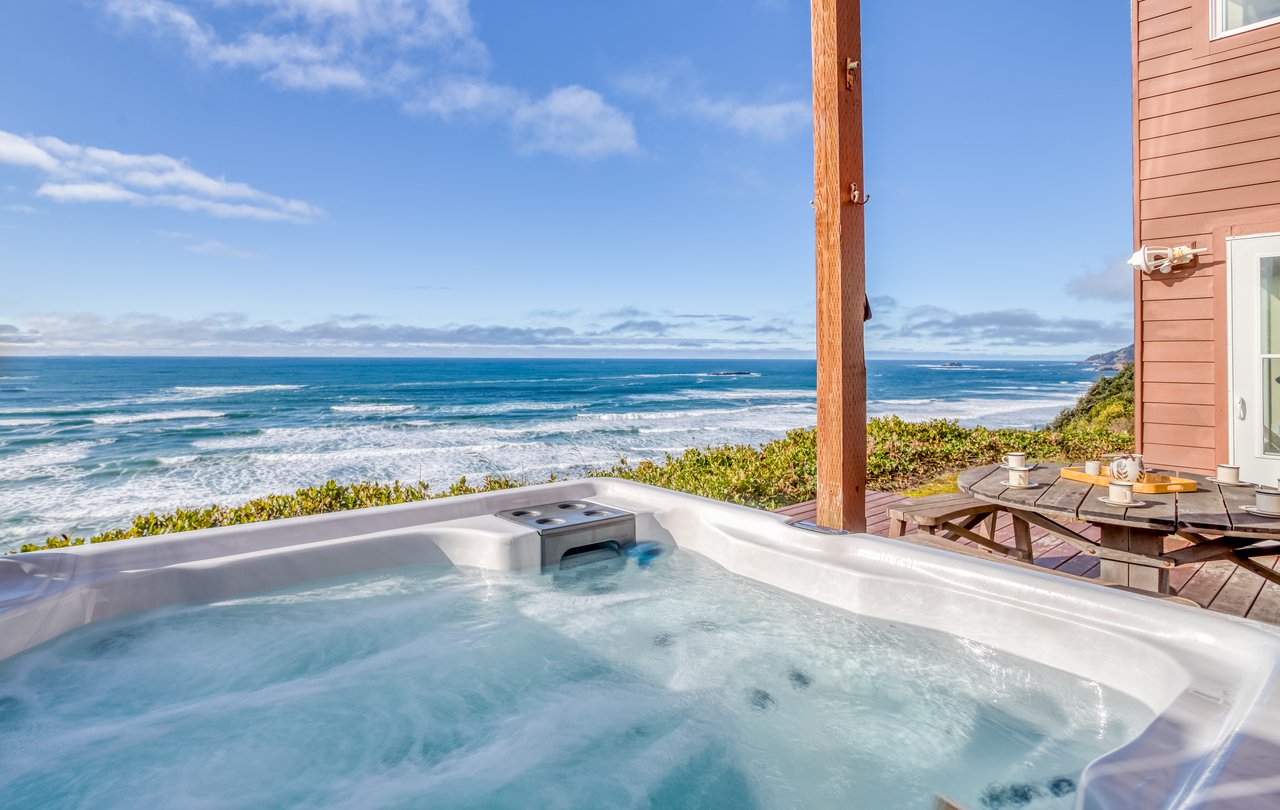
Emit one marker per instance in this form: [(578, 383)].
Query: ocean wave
[(873, 402), (529, 380), (644, 416), (8, 423), (723, 394), (372, 408), (718, 374), (19, 377), (989, 411), (158, 416), (496, 408), (208, 391), (944, 367), (48, 460)]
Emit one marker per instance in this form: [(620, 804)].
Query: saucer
[(1253, 510), (1018, 469), (1023, 486), (1110, 502), (1229, 483)]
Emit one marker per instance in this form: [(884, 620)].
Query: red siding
[(1206, 167)]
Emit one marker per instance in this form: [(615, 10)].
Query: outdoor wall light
[(1150, 259)]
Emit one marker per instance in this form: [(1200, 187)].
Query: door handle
[(1240, 409)]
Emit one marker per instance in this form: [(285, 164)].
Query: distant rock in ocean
[(1111, 361)]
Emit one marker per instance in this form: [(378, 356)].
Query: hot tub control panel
[(576, 528)]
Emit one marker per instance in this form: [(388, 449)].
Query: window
[(1270, 322), (1234, 16)]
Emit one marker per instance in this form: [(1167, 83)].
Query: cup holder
[(562, 516)]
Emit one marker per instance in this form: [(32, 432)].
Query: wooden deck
[(1219, 586)]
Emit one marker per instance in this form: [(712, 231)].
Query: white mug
[(1228, 474), (1015, 460), (1019, 477), (1093, 468), (1267, 500), (1128, 467), (1120, 492)]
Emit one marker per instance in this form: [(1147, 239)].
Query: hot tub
[(510, 649)]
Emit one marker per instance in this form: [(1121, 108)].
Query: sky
[(502, 178)]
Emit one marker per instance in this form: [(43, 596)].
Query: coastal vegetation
[(901, 456), (1106, 406)]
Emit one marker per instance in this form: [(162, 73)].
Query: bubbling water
[(662, 681)]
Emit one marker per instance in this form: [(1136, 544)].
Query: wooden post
[(838, 187)]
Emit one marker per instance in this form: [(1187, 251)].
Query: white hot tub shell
[(1211, 680)]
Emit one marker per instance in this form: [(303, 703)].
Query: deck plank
[(1218, 585)]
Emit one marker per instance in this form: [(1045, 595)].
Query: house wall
[(1206, 167)]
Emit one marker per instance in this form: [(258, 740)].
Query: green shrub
[(900, 455), (1106, 406)]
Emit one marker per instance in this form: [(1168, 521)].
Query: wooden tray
[(1151, 483)]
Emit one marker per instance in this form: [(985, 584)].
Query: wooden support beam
[(1091, 548), (841, 263), (1257, 568)]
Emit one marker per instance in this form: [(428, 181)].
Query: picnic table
[(1136, 545)]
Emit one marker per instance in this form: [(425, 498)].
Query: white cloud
[(213, 247), (21, 209), (1113, 284), (569, 121), (88, 174), (575, 122), (927, 327), (769, 121), (467, 96), (675, 90), (231, 333), (22, 152), (423, 54), (313, 44), (87, 192)]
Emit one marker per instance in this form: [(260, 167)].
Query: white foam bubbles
[(209, 391), (157, 416), (500, 408), (989, 411), (615, 685), (48, 460), (372, 407)]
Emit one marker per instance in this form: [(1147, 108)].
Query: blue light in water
[(644, 553)]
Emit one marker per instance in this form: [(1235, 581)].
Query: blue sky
[(475, 177)]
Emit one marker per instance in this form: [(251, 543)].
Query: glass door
[(1255, 356)]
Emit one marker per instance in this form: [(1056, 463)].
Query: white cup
[(1120, 492), (1267, 500), (1228, 474), (1093, 468), (1015, 460), (1019, 477)]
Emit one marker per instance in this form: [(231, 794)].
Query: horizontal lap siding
[(1207, 124)]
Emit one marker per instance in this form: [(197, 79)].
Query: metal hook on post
[(856, 196)]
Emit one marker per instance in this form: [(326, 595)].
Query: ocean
[(86, 443)]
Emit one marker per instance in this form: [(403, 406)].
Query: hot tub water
[(660, 681)]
